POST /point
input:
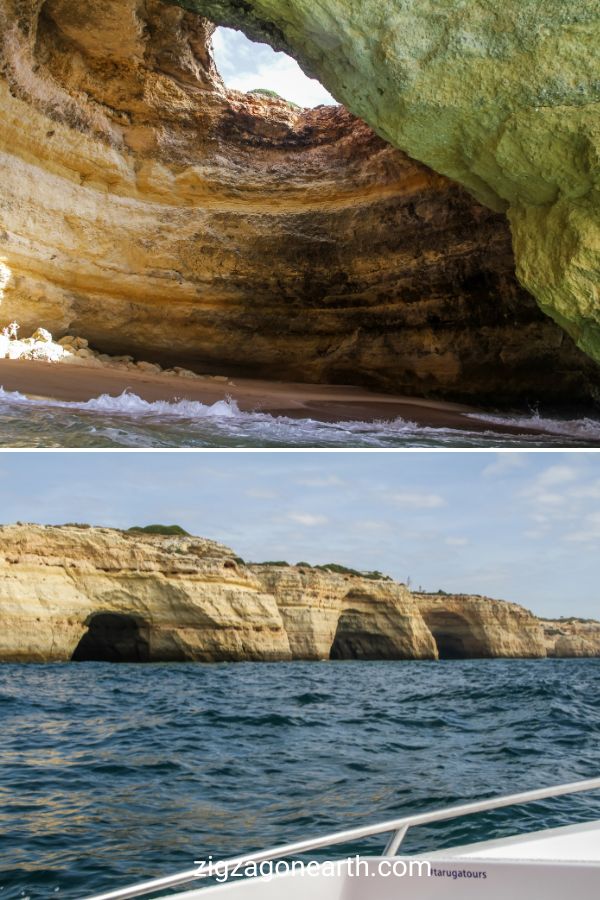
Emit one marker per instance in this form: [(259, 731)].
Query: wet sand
[(326, 403)]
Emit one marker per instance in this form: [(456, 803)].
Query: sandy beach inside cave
[(328, 403)]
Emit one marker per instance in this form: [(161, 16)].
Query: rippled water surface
[(129, 421), (111, 774)]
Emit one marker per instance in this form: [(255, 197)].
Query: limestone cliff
[(88, 593), (147, 208), (344, 617), (101, 593), (466, 626), (571, 637), (503, 98)]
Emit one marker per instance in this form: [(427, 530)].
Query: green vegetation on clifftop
[(159, 529)]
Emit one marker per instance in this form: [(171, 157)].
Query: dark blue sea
[(115, 773)]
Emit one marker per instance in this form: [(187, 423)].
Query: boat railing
[(396, 827)]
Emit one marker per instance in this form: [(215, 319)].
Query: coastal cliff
[(571, 637), (74, 592), (77, 592), (474, 626), (152, 211), (330, 615)]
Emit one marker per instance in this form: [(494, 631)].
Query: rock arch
[(379, 624), (113, 637), (454, 635), (358, 637)]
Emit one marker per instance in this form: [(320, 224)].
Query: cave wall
[(501, 98), (149, 209), (454, 636), (368, 629)]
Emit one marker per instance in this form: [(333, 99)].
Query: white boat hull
[(450, 878), (575, 843), (549, 865)]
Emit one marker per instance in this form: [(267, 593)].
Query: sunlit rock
[(502, 98), (172, 221), (82, 592)]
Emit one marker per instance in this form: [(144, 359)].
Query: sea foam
[(129, 404), (130, 421), (586, 427)]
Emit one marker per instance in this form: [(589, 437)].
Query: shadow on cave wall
[(113, 637), (453, 636), (354, 640)]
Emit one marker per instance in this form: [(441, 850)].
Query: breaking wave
[(586, 428), (131, 405), (131, 422)]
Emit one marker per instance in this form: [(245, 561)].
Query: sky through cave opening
[(245, 65)]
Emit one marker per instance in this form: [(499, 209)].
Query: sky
[(517, 526), (245, 65)]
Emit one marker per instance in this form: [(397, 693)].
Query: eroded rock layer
[(82, 593), (327, 615), (149, 209), (99, 593), (572, 637), (465, 627), (503, 98)]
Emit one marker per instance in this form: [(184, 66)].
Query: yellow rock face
[(344, 617), (179, 598), (466, 626), (144, 206), (502, 97), (571, 637), (74, 592)]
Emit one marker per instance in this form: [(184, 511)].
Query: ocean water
[(130, 422), (115, 773)]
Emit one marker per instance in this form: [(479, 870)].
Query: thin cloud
[(556, 496), (245, 65), (373, 525), (589, 530), (549, 499), (581, 537), (308, 519), (504, 464), (560, 474), (456, 541)]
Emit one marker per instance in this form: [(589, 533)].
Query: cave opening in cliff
[(113, 637), (252, 67), (355, 640), (450, 633)]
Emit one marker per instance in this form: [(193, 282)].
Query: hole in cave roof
[(245, 65)]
